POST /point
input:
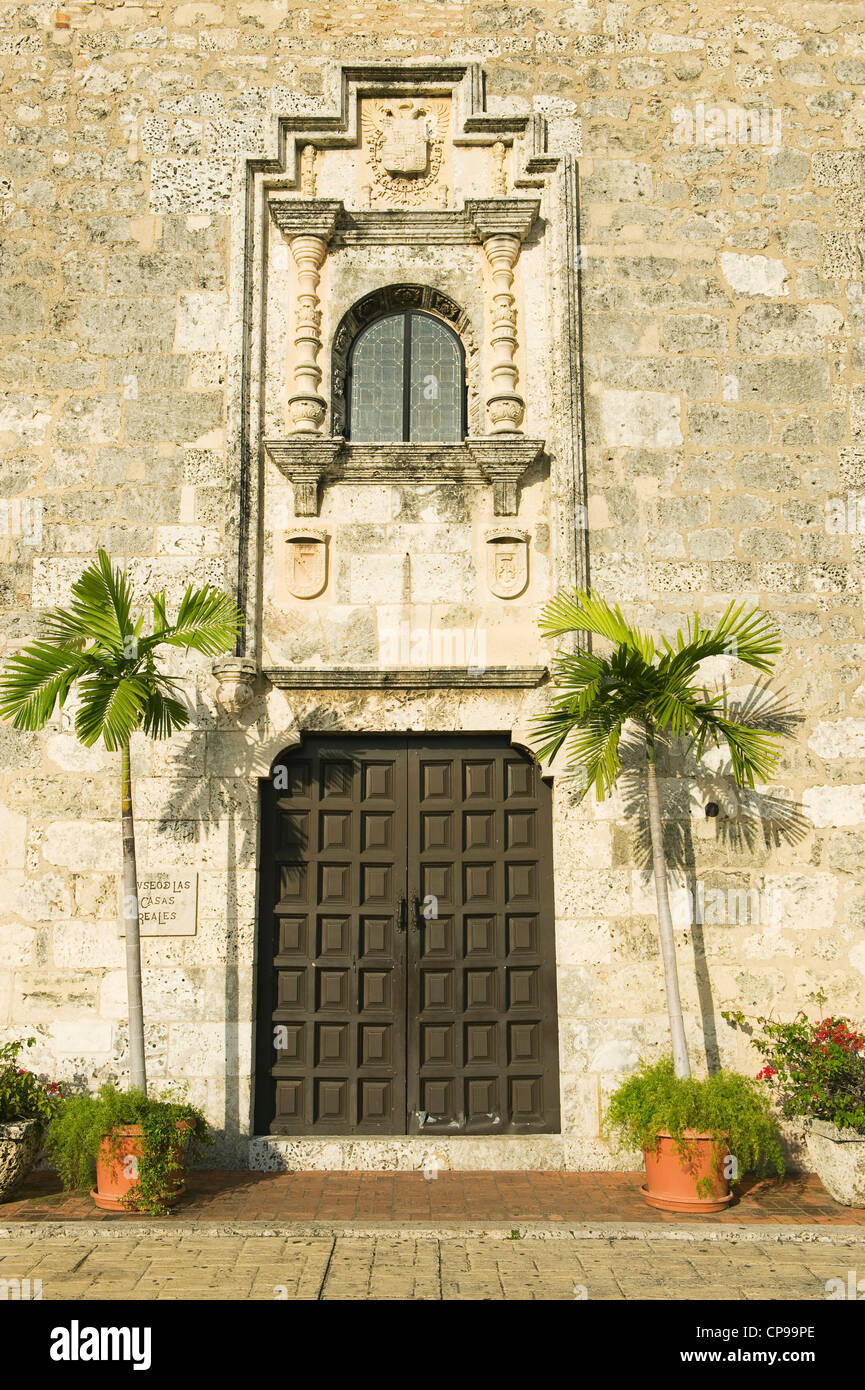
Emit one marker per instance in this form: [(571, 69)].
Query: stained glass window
[(406, 382)]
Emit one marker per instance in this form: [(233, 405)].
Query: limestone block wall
[(722, 203)]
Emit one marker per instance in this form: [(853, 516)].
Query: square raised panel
[(295, 779), (375, 936), (438, 1096), (292, 831), (374, 1099), (377, 781), (375, 882), (437, 989), (480, 936), (524, 1042), (437, 937), (435, 780), (334, 830), (437, 1044), (375, 989), (479, 780), (334, 883), (521, 882), (523, 991), (520, 830), (377, 830), (523, 936), (482, 1098), (290, 989), (479, 830), (289, 1100), (335, 779), (334, 936), (290, 1043), (481, 990), (376, 1044), (437, 881), (292, 883), (332, 1044), (333, 989), (527, 1099), (292, 936), (436, 830), (478, 882), (481, 1049), (519, 779), (331, 1100)]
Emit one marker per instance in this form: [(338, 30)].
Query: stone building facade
[(628, 240)]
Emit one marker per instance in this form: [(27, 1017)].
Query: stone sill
[(310, 461)]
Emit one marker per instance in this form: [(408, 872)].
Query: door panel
[(333, 852), (407, 904)]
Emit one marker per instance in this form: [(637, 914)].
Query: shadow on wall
[(754, 820)]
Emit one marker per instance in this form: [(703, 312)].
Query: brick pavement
[(221, 1196), (201, 1266)]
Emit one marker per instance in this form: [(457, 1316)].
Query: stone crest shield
[(404, 149), (507, 562), (306, 563)]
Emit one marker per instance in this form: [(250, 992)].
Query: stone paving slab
[(209, 1266)]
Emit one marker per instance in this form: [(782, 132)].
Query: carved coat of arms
[(507, 562), (405, 140), (306, 563)]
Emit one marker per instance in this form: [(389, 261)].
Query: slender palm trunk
[(135, 1008), (665, 920)]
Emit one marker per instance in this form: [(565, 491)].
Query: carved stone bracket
[(236, 677), (495, 460)]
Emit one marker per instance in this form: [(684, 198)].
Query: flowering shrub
[(817, 1068), (22, 1095)]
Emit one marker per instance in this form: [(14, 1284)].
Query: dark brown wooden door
[(407, 966)]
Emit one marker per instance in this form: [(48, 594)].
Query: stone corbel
[(307, 462), (307, 225), (503, 463), (236, 676)]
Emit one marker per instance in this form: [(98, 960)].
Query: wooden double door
[(406, 950)]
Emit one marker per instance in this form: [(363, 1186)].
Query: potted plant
[(26, 1108), (816, 1068), (134, 1144), (697, 1136), (652, 693)]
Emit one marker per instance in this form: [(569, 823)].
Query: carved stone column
[(502, 224), (505, 409), (308, 226)]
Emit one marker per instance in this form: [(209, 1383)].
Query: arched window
[(406, 382)]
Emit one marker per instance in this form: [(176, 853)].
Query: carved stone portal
[(507, 562)]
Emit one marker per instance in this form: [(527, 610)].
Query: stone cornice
[(467, 226), (406, 678)]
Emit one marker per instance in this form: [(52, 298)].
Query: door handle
[(418, 913), (402, 914)]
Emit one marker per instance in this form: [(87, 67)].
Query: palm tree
[(97, 644), (657, 689)]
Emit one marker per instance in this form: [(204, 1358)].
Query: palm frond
[(111, 708), (35, 680), (207, 621)]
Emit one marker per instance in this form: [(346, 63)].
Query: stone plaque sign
[(167, 902)]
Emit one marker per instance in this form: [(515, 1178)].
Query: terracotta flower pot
[(117, 1164), (672, 1177)]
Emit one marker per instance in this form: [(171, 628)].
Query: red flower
[(767, 1073)]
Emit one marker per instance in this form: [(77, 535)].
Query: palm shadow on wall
[(763, 821), (208, 798)]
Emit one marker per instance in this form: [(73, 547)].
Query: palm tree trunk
[(665, 921), (135, 1008)]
